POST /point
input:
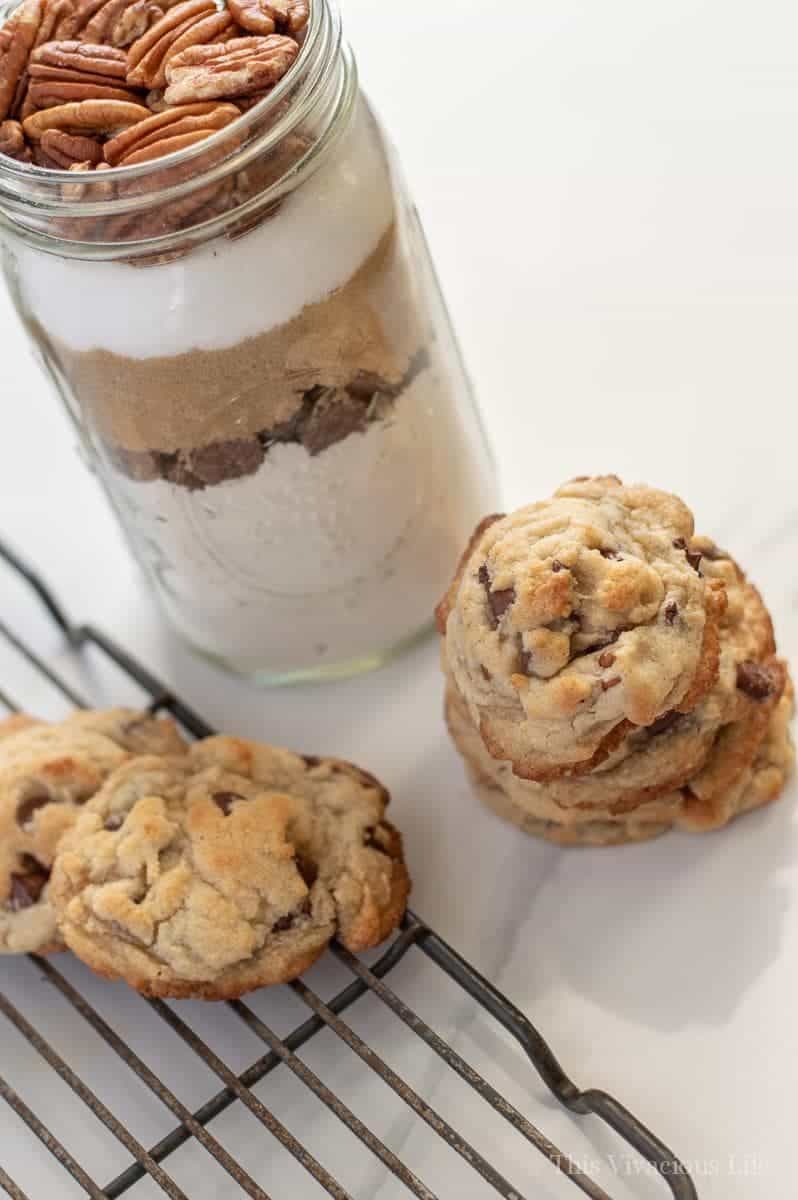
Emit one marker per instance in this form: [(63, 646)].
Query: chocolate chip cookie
[(46, 773), (226, 870), (574, 620), (654, 760)]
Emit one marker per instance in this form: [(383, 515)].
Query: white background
[(611, 196)]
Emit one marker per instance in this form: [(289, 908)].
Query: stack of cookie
[(610, 675), (189, 871)]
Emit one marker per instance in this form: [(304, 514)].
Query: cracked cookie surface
[(227, 870), (47, 772), (575, 619)]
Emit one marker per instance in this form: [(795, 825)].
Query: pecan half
[(19, 36), (190, 210), (103, 117), (67, 149), (69, 70), (131, 17), (227, 35), (85, 11), (199, 33), (237, 68), (259, 16), (167, 145), (298, 15), (65, 75), (21, 105), (146, 56), (57, 21), (157, 135), (105, 62), (41, 159), (99, 190), (76, 191), (134, 22), (43, 93), (12, 140)]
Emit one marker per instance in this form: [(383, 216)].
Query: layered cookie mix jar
[(207, 238)]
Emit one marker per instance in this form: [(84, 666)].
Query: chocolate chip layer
[(325, 416)]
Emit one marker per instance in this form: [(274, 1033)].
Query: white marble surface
[(610, 194)]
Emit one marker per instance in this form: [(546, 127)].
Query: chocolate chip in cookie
[(498, 601), (755, 681), (290, 919), (693, 556), (27, 884), (665, 722), (307, 869), (226, 800), (35, 797)]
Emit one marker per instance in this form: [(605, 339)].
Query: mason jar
[(250, 339)]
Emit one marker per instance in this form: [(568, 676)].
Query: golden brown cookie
[(227, 870), (576, 619), (44, 778), (46, 773)]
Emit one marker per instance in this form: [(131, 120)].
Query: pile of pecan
[(88, 84)]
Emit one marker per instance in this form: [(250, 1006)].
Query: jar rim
[(30, 196)]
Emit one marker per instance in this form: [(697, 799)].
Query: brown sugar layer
[(325, 416), (361, 339)]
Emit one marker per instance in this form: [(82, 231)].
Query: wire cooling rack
[(367, 985)]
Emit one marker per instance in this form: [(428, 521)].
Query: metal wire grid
[(415, 935)]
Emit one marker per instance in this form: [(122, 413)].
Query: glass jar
[(251, 341)]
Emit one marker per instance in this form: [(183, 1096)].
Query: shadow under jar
[(251, 340)]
